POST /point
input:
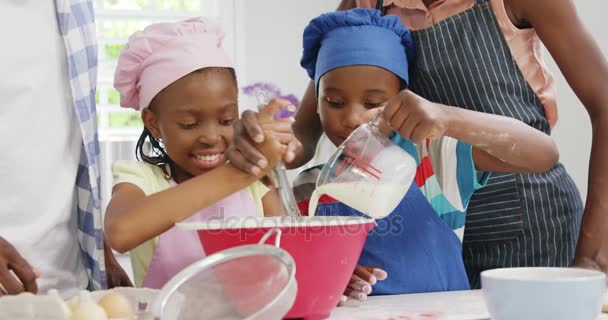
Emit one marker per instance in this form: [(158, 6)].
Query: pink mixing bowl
[(325, 250)]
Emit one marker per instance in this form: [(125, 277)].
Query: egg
[(66, 309), (64, 306), (89, 311), (116, 305), (73, 304)]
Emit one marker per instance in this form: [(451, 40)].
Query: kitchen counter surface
[(459, 305)]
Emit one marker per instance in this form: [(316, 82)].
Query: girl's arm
[(272, 204), (133, 218), (500, 144), (585, 68)]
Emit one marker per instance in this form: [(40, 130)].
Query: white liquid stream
[(376, 200)]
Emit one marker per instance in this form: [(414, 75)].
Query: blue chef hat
[(357, 37)]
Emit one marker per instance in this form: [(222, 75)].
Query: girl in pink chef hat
[(180, 78)]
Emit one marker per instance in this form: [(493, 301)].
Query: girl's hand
[(278, 135), (244, 151), (416, 118), (361, 282)]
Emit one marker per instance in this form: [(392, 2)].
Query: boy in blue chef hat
[(359, 62)]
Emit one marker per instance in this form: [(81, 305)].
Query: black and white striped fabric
[(517, 219)]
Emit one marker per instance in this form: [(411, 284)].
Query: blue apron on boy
[(413, 245)]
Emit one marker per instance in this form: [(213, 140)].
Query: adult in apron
[(517, 219), (177, 249)]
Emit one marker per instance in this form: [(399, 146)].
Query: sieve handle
[(277, 239)]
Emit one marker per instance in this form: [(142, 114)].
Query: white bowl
[(543, 293)]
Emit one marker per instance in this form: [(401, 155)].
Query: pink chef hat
[(162, 53)]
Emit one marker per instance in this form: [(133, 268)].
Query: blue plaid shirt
[(77, 26)]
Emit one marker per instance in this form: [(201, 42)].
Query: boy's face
[(347, 94)]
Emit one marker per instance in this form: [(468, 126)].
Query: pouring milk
[(374, 195)]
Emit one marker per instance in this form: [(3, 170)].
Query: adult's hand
[(16, 274), (115, 274)]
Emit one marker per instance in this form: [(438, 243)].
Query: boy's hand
[(383, 126), (416, 118), (362, 280), (243, 152)]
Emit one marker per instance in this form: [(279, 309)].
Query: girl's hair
[(156, 155)]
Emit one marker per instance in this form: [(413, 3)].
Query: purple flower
[(291, 98), (269, 88), (272, 91)]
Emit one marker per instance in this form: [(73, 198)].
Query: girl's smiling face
[(193, 118), (347, 93)]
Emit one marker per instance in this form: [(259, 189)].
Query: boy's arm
[(307, 129), (500, 144), (346, 5), (586, 69)]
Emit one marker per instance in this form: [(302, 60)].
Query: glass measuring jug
[(368, 172)]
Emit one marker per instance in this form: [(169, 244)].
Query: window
[(116, 20)]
